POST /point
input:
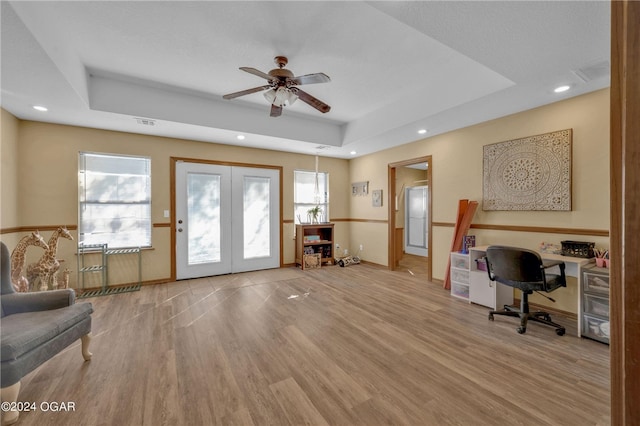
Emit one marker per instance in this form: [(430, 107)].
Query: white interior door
[(227, 219), (416, 238), (256, 219)]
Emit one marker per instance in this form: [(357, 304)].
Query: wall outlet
[(166, 213), (361, 247), (346, 252), (337, 246)]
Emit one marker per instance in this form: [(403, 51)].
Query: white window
[(308, 193), (114, 193)]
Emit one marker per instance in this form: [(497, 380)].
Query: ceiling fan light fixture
[(270, 95), (280, 97), (291, 97)]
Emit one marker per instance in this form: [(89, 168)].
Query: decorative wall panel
[(532, 173)]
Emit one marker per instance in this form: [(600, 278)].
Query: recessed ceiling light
[(353, 153), (561, 89), (422, 131), (40, 108), (240, 137)]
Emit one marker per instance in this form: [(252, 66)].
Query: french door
[(227, 219)]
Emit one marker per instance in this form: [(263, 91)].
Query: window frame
[(324, 204), (143, 201)]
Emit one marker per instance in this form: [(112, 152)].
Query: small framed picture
[(376, 198), (360, 188)]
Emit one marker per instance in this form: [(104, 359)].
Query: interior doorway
[(410, 188)]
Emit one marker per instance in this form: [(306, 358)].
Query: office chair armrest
[(561, 279)]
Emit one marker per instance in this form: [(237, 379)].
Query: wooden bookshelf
[(312, 239)]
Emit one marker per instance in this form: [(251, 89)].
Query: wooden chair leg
[(86, 339), (10, 395)]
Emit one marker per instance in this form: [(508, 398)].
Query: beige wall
[(48, 192), (45, 174), (457, 174), (9, 170)]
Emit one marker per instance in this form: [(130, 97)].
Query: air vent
[(145, 121), (594, 71)]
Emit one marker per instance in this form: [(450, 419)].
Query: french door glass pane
[(257, 238), (203, 201)]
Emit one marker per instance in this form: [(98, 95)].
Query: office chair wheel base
[(560, 331), (490, 317), (521, 330)]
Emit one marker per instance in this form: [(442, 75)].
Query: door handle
[(179, 229)]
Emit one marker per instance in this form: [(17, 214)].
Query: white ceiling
[(395, 67)]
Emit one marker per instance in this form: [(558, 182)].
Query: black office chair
[(524, 269)]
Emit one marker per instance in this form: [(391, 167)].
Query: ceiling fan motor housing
[(281, 73)]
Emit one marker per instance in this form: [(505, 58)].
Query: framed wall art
[(376, 198), (532, 173), (360, 188)]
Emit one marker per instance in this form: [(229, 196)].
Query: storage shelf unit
[(99, 254), (314, 238), (134, 250), (460, 275), (470, 281), (89, 250), (594, 307)]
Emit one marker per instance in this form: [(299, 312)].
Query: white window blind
[(114, 193)]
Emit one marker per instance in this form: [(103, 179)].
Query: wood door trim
[(625, 204), (391, 194)]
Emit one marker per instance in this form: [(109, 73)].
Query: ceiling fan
[(282, 90)]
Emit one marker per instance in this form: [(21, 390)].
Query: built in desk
[(485, 292)]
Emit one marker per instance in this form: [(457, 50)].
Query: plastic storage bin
[(460, 290), (460, 261), (460, 276), (596, 283), (595, 328), (596, 305)]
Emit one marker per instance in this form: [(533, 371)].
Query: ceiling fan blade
[(257, 72), (319, 77), (276, 111), (246, 92), (311, 100)]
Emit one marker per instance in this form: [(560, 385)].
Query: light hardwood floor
[(414, 265), (341, 346)]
